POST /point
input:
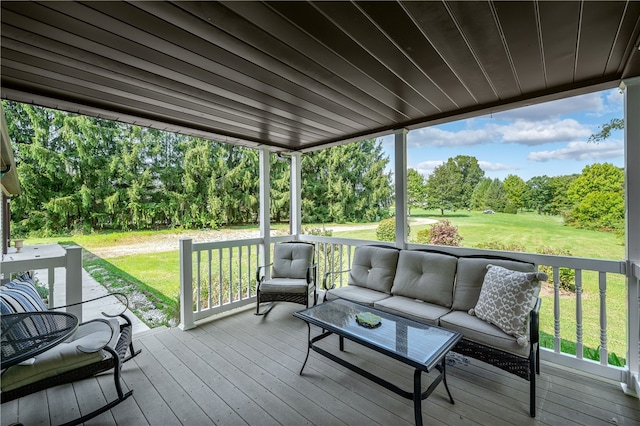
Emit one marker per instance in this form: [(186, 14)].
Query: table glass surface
[(419, 342), (26, 335)]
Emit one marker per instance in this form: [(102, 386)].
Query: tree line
[(79, 173), (593, 199), (83, 173)]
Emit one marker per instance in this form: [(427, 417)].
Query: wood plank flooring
[(243, 369)]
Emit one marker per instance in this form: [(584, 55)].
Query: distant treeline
[(80, 173), (593, 199)]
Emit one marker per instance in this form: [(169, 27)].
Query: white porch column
[(295, 195), (74, 280), (186, 284), (401, 187), (265, 206), (632, 197)]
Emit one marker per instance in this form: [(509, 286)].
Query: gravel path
[(168, 242)]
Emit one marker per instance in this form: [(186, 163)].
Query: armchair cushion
[(292, 260), (20, 295), (285, 285)]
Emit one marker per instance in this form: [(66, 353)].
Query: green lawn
[(160, 271)]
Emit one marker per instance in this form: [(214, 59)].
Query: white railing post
[(186, 284), (295, 217), (265, 205), (74, 280), (401, 187), (632, 199)]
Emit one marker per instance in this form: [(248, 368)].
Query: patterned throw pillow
[(20, 295), (506, 299)]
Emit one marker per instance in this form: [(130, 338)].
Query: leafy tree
[(539, 194), (346, 183), (479, 196), (606, 129), (416, 189), (84, 173), (515, 189), (451, 184), (496, 196), (560, 202), (598, 197), (471, 174), (444, 188)]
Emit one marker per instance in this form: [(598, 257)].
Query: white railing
[(222, 277), (49, 257)]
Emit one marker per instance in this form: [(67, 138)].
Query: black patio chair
[(94, 347), (293, 276)]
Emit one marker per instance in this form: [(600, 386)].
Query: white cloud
[(425, 168), (432, 136), (548, 110), (615, 99), (488, 166), (581, 151), (542, 132)]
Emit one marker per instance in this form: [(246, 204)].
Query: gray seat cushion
[(285, 285), (357, 294), (412, 308), (425, 276), (374, 268), (291, 260), (470, 276), (479, 331)]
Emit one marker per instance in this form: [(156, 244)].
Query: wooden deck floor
[(243, 369)]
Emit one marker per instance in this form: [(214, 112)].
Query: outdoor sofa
[(492, 301)]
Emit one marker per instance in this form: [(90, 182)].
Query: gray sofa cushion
[(374, 268), (425, 276), (412, 308), (471, 271), (291, 260), (479, 331), (357, 294)]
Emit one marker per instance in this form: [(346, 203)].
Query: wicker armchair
[(293, 276), (94, 347)]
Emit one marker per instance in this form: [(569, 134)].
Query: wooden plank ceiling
[(301, 75)]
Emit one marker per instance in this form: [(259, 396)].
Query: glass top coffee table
[(420, 345)]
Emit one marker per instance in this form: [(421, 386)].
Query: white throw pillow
[(506, 299)]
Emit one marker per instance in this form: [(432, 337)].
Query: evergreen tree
[(416, 189)]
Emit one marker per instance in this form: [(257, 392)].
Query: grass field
[(160, 271)]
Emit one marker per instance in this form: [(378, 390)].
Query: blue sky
[(545, 139)]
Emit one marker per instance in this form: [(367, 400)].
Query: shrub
[(423, 236), (566, 276), (386, 230), (497, 245), (445, 234)]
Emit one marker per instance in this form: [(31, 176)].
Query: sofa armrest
[(534, 322), (326, 276)]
